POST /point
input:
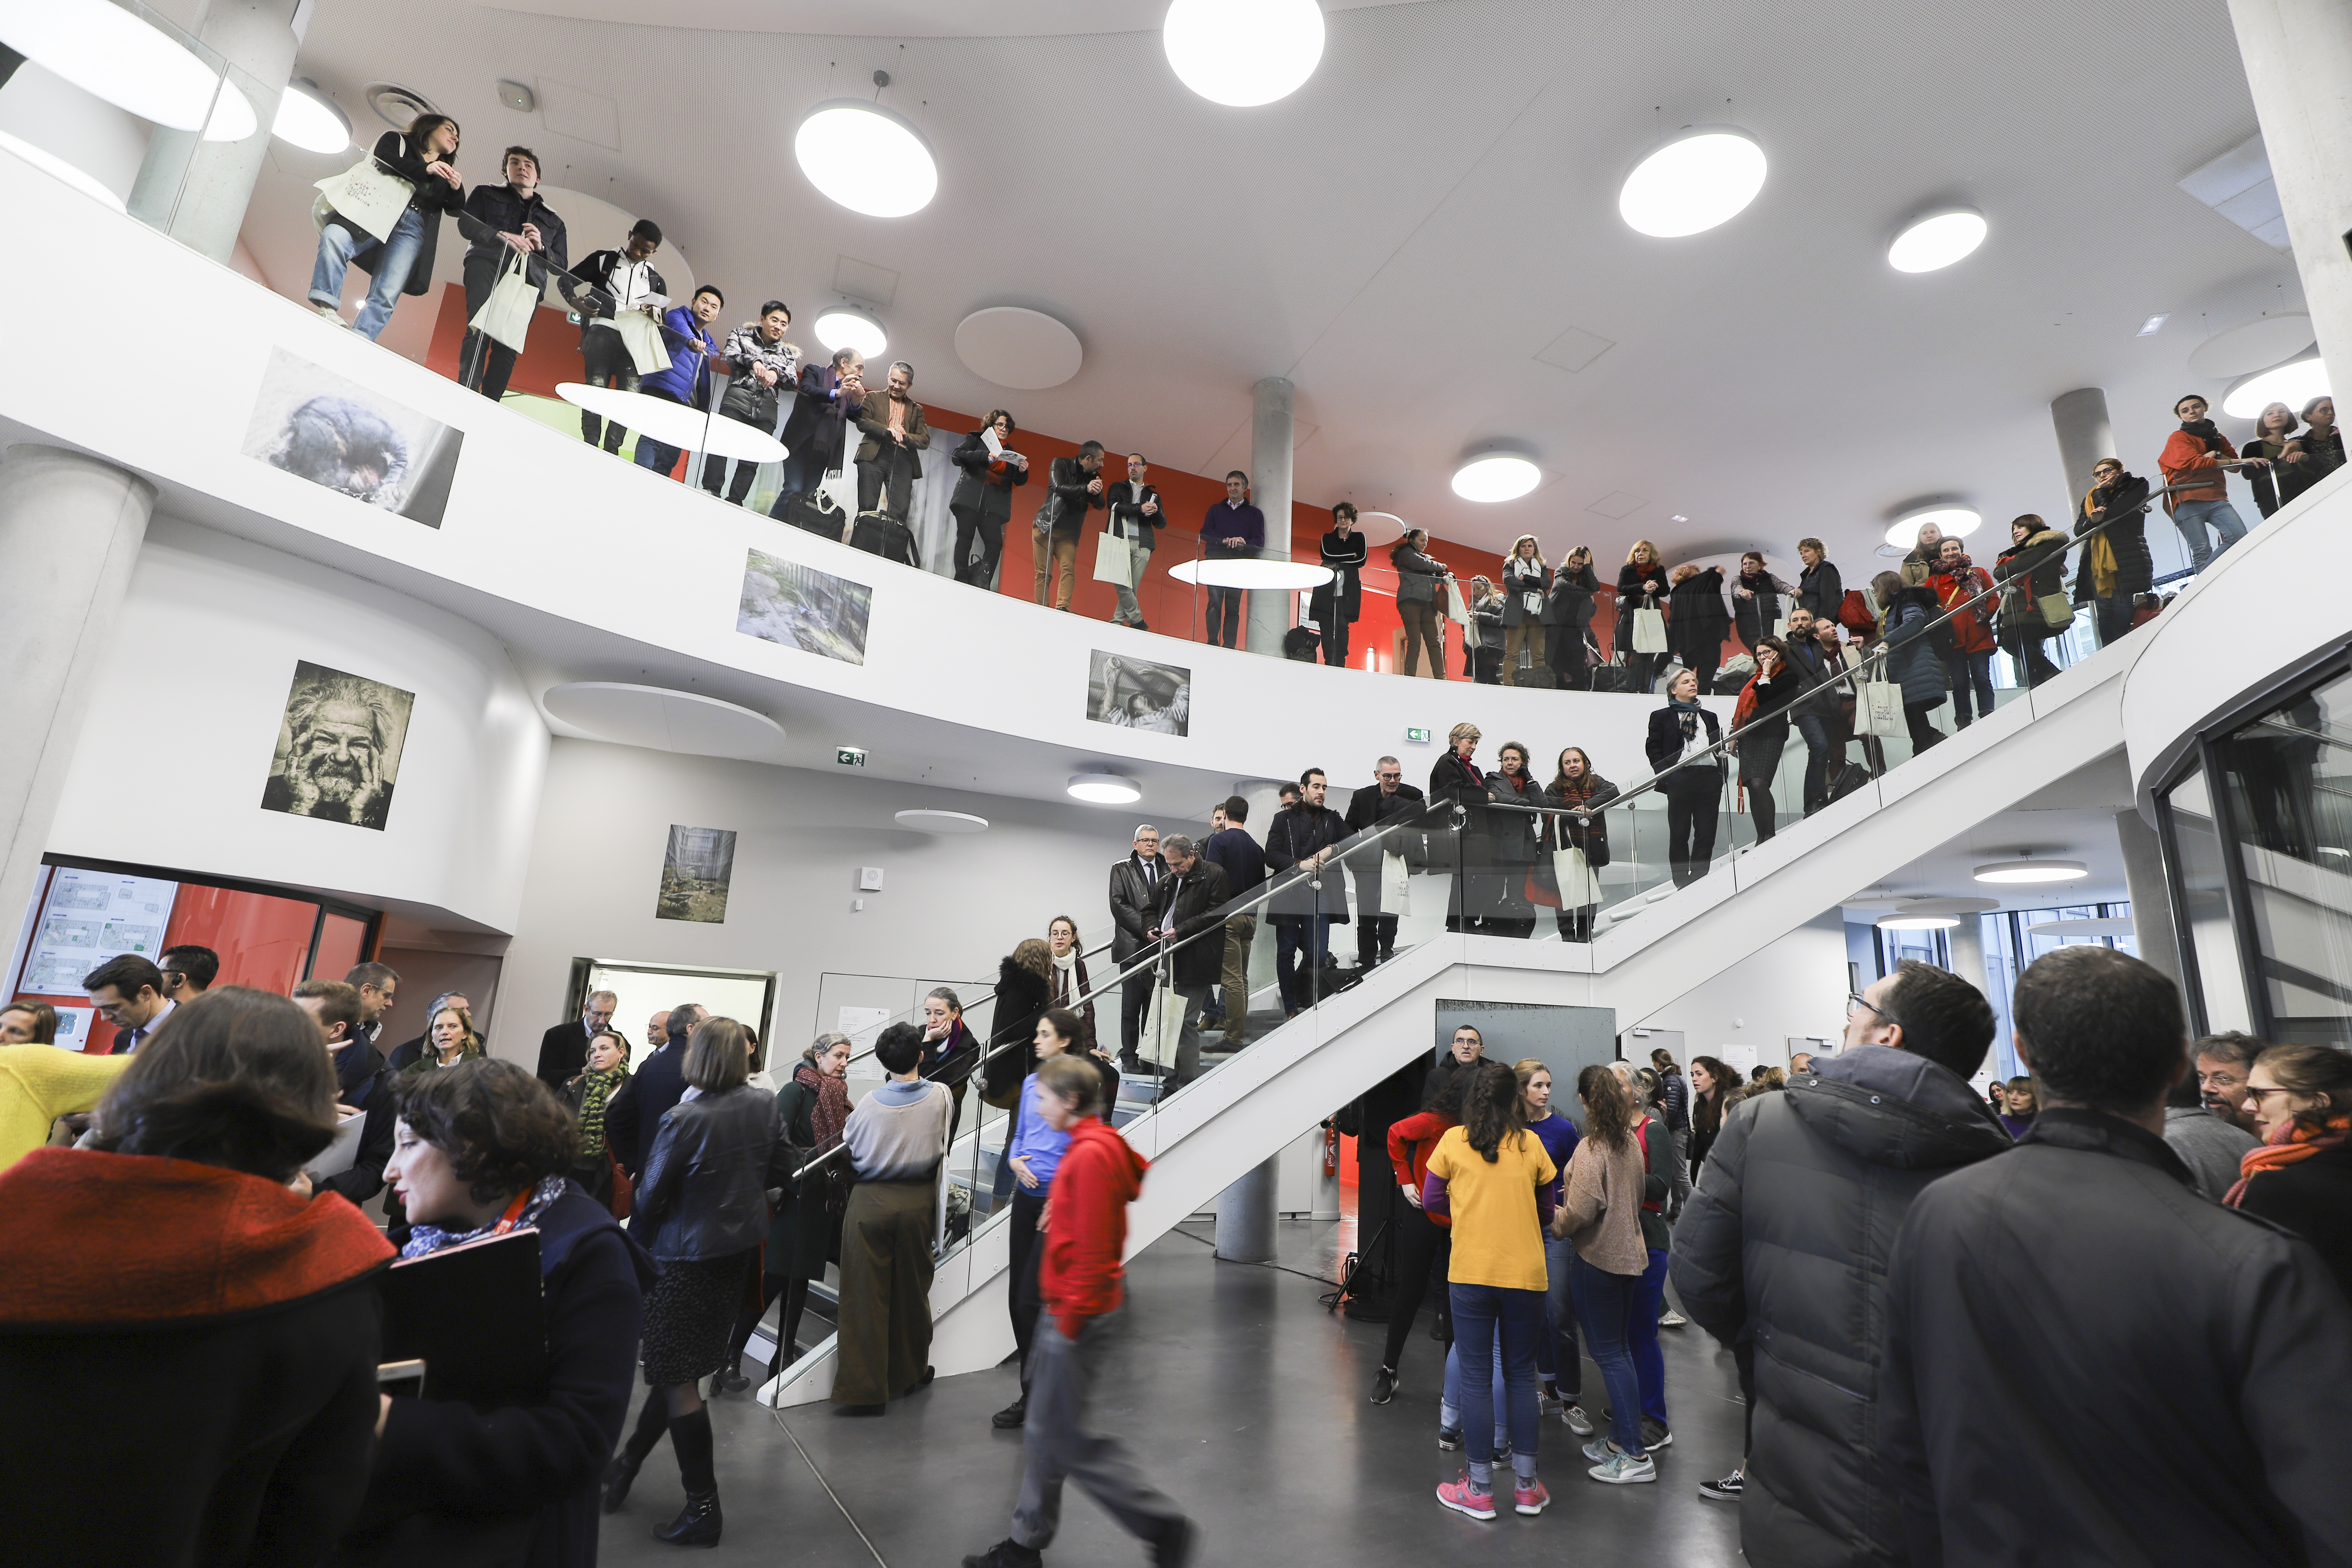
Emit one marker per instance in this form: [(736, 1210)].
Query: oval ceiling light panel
[(1105, 789), (1691, 184), (1957, 523), (1496, 478), (1026, 350), (2292, 384), (2250, 346), (1245, 574), (1917, 923), (1934, 243), (870, 158), (308, 119), (1243, 53), (2027, 873), (106, 51), (846, 327)]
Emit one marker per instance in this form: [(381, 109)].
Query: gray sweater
[(899, 1132), (2208, 1145)]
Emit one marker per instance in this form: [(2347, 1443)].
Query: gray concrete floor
[(1246, 1401)]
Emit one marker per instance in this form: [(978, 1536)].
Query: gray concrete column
[(1246, 1216), (2079, 417), (70, 528), (1967, 941), (197, 191), (2297, 55), (1270, 449), (2151, 894)]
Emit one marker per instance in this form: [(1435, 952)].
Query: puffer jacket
[(1911, 659), (1785, 1244), (704, 1192)]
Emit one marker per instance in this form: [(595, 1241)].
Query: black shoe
[(859, 1409), (697, 1524), (1727, 1489), (925, 1381), (1006, 1553), (1012, 1416), (1175, 1545), (1384, 1385), (731, 1379), (618, 1476)]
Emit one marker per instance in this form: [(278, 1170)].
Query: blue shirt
[(1034, 1140), (1244, 862), (1557, 1134)]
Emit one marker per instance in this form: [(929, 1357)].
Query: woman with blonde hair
[(1457, 780), (1640, 585), (1526, 582)]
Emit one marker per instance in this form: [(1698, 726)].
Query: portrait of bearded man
[(339, 749)]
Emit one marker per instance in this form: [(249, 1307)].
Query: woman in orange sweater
[(1423, 1238)]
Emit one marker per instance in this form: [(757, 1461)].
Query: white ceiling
[(1407, 234)]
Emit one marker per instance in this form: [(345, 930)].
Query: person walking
[(587, 1096), (1578, 837), (1648, 1311), (1526, 587), (982, 503), (898, 1139), (1567, 620), (1032, 1151), (1674, 1107), (2300, 1176), (1337, 604), (804, 1221), (1713, 1087), (1683, 754), (1599, 1217), (1419, 582), (1909, 651), (1760, 728), (1424, 1239), (1640, 585), (2032, 571)]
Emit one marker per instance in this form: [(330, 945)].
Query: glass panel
[(263, 942), (342, 940), (2205, 906)]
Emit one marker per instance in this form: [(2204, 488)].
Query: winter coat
[(986, 487), (2034, 569), (704, 1191), (1588, 832), (1630, 598), (1574, 598), (1785, 1244), (1021, 995), (2135, 567), (1519, 579), (1345, 557), (799, 1231), (1418, 576), (1186, 907), (1452, 782), (2312, 1198), (1697, 622), (1293, 835), (1972, 628), (1513, 837), (1754, 618), (2323, 455), (1911, 659), (1067, 499), (1820, 590)]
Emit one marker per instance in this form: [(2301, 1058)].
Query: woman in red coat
[(1968, 663)]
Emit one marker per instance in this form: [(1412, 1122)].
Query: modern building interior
[(424, 545)]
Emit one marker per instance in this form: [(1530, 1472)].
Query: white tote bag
[(1578, 885), (642, 336), (1649, 631), (505, 316), (365, 194), (1396, 884), (1163, 1026), (1114, 560), (1881, 702)]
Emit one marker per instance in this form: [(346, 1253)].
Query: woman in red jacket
[(1968, 663), (1421, 1238)]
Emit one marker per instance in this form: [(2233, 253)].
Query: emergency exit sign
[(849, 756), (1417, 737)]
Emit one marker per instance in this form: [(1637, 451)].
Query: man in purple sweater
[(1233, 530)]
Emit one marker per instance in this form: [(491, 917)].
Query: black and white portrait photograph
[(1136, 694), (800, 606), (338, 748), (696, 871), (335, 432)]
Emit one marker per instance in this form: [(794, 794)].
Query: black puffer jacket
[(1785, 1243)]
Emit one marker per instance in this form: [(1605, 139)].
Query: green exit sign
[(1417, 737), (849, 756)]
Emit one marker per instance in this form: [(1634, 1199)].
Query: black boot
[(1013, 1415), (697, 1524), (618, 1477)]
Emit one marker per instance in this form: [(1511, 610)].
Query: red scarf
[(2290, 1143), (831, 1113)]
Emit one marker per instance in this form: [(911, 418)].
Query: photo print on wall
[(696, 871), (338, 747), (336, 433), (1136, 694), (800, 606)]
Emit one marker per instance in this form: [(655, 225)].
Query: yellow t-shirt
[(40, 1083), (1497, 1237)]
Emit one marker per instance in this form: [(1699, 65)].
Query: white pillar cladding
[(1270, 448), (1246, 1214), (1967, 941), (2297, 55), (2151, 895), (70, 529), (2079, 417), (197, 191)]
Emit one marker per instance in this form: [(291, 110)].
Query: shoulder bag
[(505, 316), (367, 194)]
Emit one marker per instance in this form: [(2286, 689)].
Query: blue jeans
[(1292, 940), (2190, 518), (1642, 1338), (1481, 1313), (337, 243), (1559, 1312), (1964, 670), (1603, 1303), (1449, 1407)]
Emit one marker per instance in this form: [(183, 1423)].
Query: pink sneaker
[(1463, 1497), (1531, 1497)]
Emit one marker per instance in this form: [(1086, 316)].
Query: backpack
[(1854, 614)]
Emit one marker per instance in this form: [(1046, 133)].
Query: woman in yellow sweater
[(39, 1083)]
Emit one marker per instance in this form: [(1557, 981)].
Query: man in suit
[(1183, 909), (830, 397), (563, 1050), (1232, 850), (128, 991), (378, 986), (1386, 799), (1134, 885), (1299, 842), (1136, 518), (360, 1082), (634, 1117)]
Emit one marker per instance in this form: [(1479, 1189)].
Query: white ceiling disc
[(2257, 345), (942, 822), (1947, 906), (2109, 925), (1380, 527), (674, 424), (1026, 350), (664, 720), (1248, 574)]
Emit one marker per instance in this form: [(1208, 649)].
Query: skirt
[(688, 1314)]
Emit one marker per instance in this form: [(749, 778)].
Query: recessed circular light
[(1105, 789), (2294, 385), (928, 821), (232, 119), (1243, 53), (1692, 183), (310, 120), (2032, 871), (1496, 478), (1917, 923), (1936, 242), (848, 327), (1244, 574), (1956, 522), (870, 158), (106, 51), (49, 163)]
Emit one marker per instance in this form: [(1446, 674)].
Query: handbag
[(367, 194), (2057, 611), (1649, 631), (1163, 1026), (1881, 702), (1396, 883), (880, 533), (505, 316), (1578, 886), (1114, 560), (641, 336)]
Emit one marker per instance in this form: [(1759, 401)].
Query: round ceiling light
[(1936, 242), (1246, 573), (2028, 872), (310, 120), (1917, 923), (49, 163), (1243, 53), (928, 821), (2292, 384), (1496, 478), (1957, 523), (1023, 349), (848, 327), (1105, 789), (870, 158), (106, 51), (2250, 346), (1691, 184), (233, 118)]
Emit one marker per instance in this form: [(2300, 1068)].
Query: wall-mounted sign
[(1417, 737), (850, 756)]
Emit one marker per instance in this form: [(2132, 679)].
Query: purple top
[(1434, 1201), (1224, 521)]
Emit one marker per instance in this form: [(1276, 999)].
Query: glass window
[(2219, 984)]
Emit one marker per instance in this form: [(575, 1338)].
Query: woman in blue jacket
[(1690, 775), (1910, 655)]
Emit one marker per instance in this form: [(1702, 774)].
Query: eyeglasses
[(1853, 999), (2261, 1094)]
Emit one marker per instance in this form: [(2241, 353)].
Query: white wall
[(185, 718), (1795, 986)]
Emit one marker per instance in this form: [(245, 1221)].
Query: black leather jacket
[(704, 1191)]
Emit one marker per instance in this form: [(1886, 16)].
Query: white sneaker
[(332, 312), (1672, 1319)]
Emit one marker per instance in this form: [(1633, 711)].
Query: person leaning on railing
[(1762, 722), (2114, 563), (2033, 570), (694, 354), (1514, 845), (1959, 587), (1577, 839)]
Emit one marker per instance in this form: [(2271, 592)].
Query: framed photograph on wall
[(1136, 694), (352, 439), (339, 744), (696, 871), (799, 607)]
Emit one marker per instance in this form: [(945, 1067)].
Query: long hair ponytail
[(1492, 1108), (1608, 1107)]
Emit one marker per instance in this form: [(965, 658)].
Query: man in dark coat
[(1386, 799), (500, 221), (1134, 899), (1296, 846), (632, 1118), (831, 396), (1697, 622), (1783, 1247), (2086, 1362), (1184, 907), (2109, 581), (563, 1050)]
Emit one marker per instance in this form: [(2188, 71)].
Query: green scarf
[(598, 1088)]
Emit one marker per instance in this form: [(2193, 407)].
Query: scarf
[(831, 1113), (2290, 1144), (424, 1239), (2204, 430), (598, 1088), (1687, 713)]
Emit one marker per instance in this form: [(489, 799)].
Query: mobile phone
[(399, 1377)]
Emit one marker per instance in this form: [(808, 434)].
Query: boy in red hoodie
[(1080, 1287)]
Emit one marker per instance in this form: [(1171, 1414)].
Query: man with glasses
[(1784, 1243), (188, 972), (1386, 799), (563, 1050), (1134, 892)]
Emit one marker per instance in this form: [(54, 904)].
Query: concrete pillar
[(2297, 55), (1270, 449), (70, 528), (1246, 1217), (2151, 894), (1967, 941), (2084, 438), (197, 191)]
